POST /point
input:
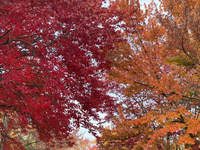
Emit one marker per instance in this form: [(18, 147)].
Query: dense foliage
[(159, 67), (52, 60)]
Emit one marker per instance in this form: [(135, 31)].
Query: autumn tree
[(52, 58), (159, 68)]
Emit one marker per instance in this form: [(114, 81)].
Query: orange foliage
[(159, 66)]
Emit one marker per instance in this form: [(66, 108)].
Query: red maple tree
[(52, 58)]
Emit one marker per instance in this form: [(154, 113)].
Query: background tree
[(80, 143), (159, 67)]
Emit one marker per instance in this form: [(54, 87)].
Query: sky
[(147, 2), (84, 132), (141, 2)]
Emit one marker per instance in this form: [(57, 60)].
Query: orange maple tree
[(159, 68)]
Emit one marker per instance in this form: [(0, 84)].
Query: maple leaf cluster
[(159, 69), (52, 60)]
